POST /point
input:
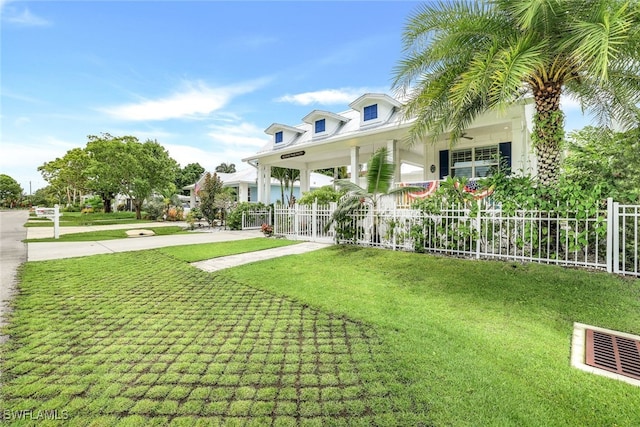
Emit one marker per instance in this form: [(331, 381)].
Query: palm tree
[(226, 168), (379, 185), (287, 178), (463, 58)]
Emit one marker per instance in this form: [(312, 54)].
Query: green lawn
[(92, 236), (341, 336), (73, 219)]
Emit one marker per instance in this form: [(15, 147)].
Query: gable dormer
[(375, 108), (282, 134), (324, 123)]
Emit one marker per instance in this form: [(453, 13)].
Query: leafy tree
[(68, 174), (209, 193), (10, 191), (111, 165), (188, 176), (465, 58), (379, 186), (226, 168), (611, 160), (153, 170)]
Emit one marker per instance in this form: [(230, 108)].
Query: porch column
[(305, 181), (243, 192), (355, 163), (264, 184), (393, 155), (192, 198)]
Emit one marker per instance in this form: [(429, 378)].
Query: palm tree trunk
[(548, 133)]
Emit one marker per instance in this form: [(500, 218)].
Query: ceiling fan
[(464, 135)]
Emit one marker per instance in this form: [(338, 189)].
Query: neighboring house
[(245, 184), (330, 140)]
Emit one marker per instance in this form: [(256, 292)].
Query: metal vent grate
[(613, 353)]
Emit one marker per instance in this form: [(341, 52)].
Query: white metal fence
[(605, 239), (252, 220), (626, 234)]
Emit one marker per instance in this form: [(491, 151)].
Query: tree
[(211, 189), (610, 160), (379, 186), (153, 170), (10, 191), (188, 176), (68, 174), (287, 178), (111, 165), (226, 168), (465, 58)]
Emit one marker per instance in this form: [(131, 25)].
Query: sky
[(203, 78)]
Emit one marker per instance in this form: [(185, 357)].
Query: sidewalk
[(56, 250)]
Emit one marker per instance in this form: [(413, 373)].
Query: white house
[(245, 183), (329, 140)]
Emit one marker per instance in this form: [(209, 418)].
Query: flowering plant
[(267, 229)]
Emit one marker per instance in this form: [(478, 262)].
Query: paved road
[(12, 253)]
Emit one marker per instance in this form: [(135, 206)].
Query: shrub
[(234, 220), (154, 208), (324, 195)]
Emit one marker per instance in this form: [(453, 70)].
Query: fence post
[(296, 222), (616, 237), (314, 221), (610, 233), (478, 229), (56, 221)]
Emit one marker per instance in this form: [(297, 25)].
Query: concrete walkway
[(57, 250), (221, 263)]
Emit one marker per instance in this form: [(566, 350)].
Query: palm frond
[(379, 173)]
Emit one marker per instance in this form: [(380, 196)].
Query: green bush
[(234, 220), (324, 195), (95, 203), (154, 208)]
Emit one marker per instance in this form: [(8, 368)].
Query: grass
[(342, 336), (477, 343), (193, 253), (92, 236), (73, 219)]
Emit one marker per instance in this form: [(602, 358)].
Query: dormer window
[(370, 112), (278, 137), (320, 125)]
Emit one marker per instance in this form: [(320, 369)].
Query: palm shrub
[(462, 59), (358, 200)]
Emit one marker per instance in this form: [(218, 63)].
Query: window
[(370, 112), (320, 125), (474, 162), (278, 137)]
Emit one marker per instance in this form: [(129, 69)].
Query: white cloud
[(23, 18), (242, 135), (24, 168), (327, 96), (208, 158), (194, 100), (568, 102)]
